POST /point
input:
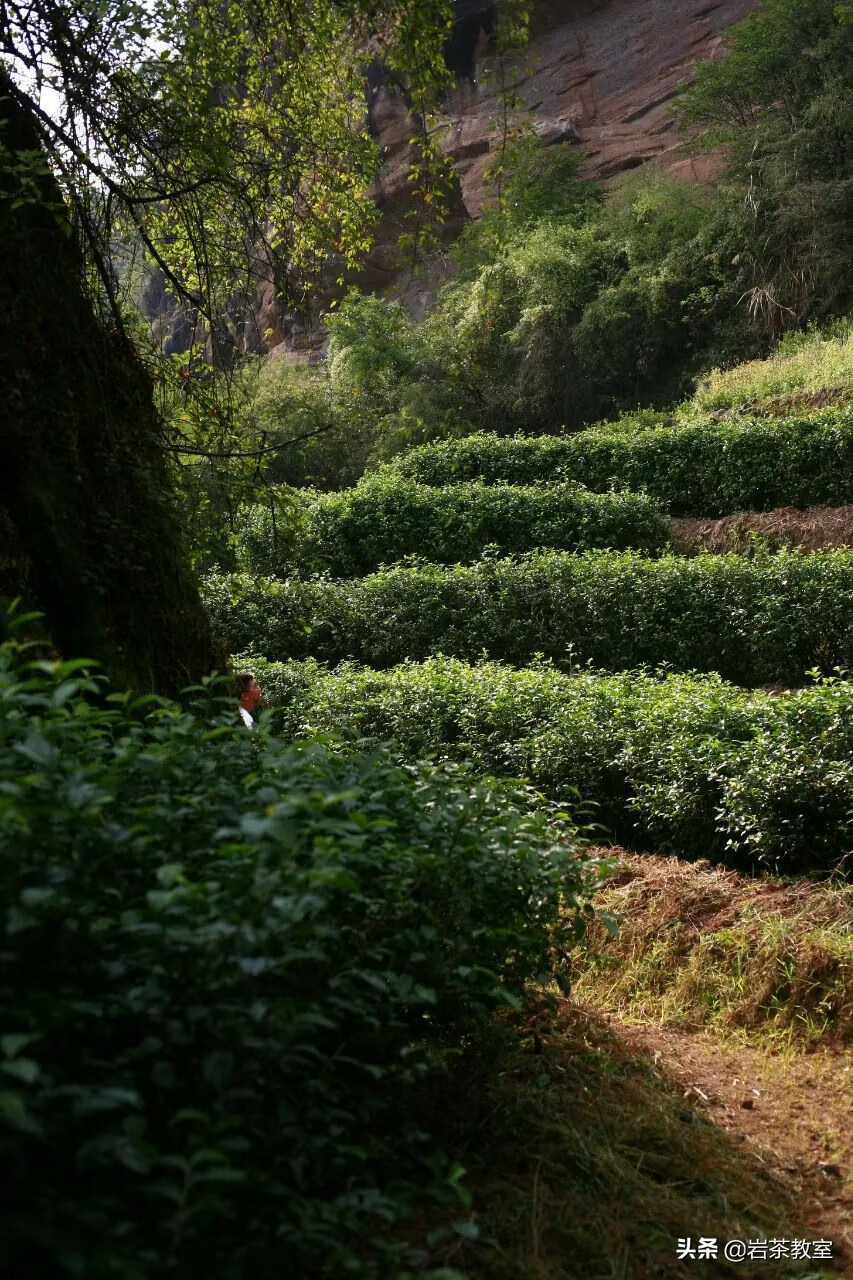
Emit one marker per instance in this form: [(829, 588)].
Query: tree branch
[(249, 453)]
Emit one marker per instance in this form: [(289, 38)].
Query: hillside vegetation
[(492, 560), (804, 370), (685, 763), (598, 702), (300, 994)]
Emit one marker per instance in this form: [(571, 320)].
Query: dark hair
[(242, 681)]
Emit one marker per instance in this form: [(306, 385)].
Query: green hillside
[(426, 732), (510, 661)]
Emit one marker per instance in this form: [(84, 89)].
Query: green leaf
[(24, 1069), (12, 1044)]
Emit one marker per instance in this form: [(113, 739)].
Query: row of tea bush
[(763, 620), (388, 517), (704, 468), (227, 967), (685, 764)]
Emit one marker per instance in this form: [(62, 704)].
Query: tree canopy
[(216, 141), (219, 137)]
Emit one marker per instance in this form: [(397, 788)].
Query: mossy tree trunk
[(88, 531)]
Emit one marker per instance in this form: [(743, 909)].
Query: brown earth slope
[(811, 529), (697, 1082)]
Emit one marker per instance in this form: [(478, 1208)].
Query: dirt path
[(794, 1109)]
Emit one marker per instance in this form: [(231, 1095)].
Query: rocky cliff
[(597, 74)]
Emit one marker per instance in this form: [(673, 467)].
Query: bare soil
[(811, 529), (793, 1110)]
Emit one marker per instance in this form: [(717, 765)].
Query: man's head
[(249, 692)]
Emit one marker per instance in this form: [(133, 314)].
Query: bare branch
[(249, 453)]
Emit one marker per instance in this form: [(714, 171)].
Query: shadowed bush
[(228, 968)]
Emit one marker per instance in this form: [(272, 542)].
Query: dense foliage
[(779, 106), (386, 518), (237, 969), (686, 763), (575, 320), (754, 620), (566, 308), (228, 144), (702, 467), (228, 966), (198, 150), (558, 331)]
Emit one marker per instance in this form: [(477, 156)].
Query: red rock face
[(599, 73)]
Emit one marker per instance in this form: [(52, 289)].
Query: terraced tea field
[(650, 622), (535, 605)]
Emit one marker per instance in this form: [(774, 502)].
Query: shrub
[(684, 764), (702, 468), (386, 518), (385, 384), (529, 183), (228, 967), (580, 311), (767, 619), (778, 107)]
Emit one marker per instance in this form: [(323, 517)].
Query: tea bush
[(705, 467), (755, 621), (229, 969), (685, 764), (386, 518)]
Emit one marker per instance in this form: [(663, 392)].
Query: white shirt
[(248, 720)]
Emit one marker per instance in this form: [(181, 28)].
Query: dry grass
[(812, 529), (595, 1138), (787, 404), (703, 946), (588, 1162)]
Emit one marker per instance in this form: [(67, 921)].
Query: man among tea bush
[(249, 694)]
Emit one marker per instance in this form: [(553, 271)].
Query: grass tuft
[(702, 946), (807, 371)]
